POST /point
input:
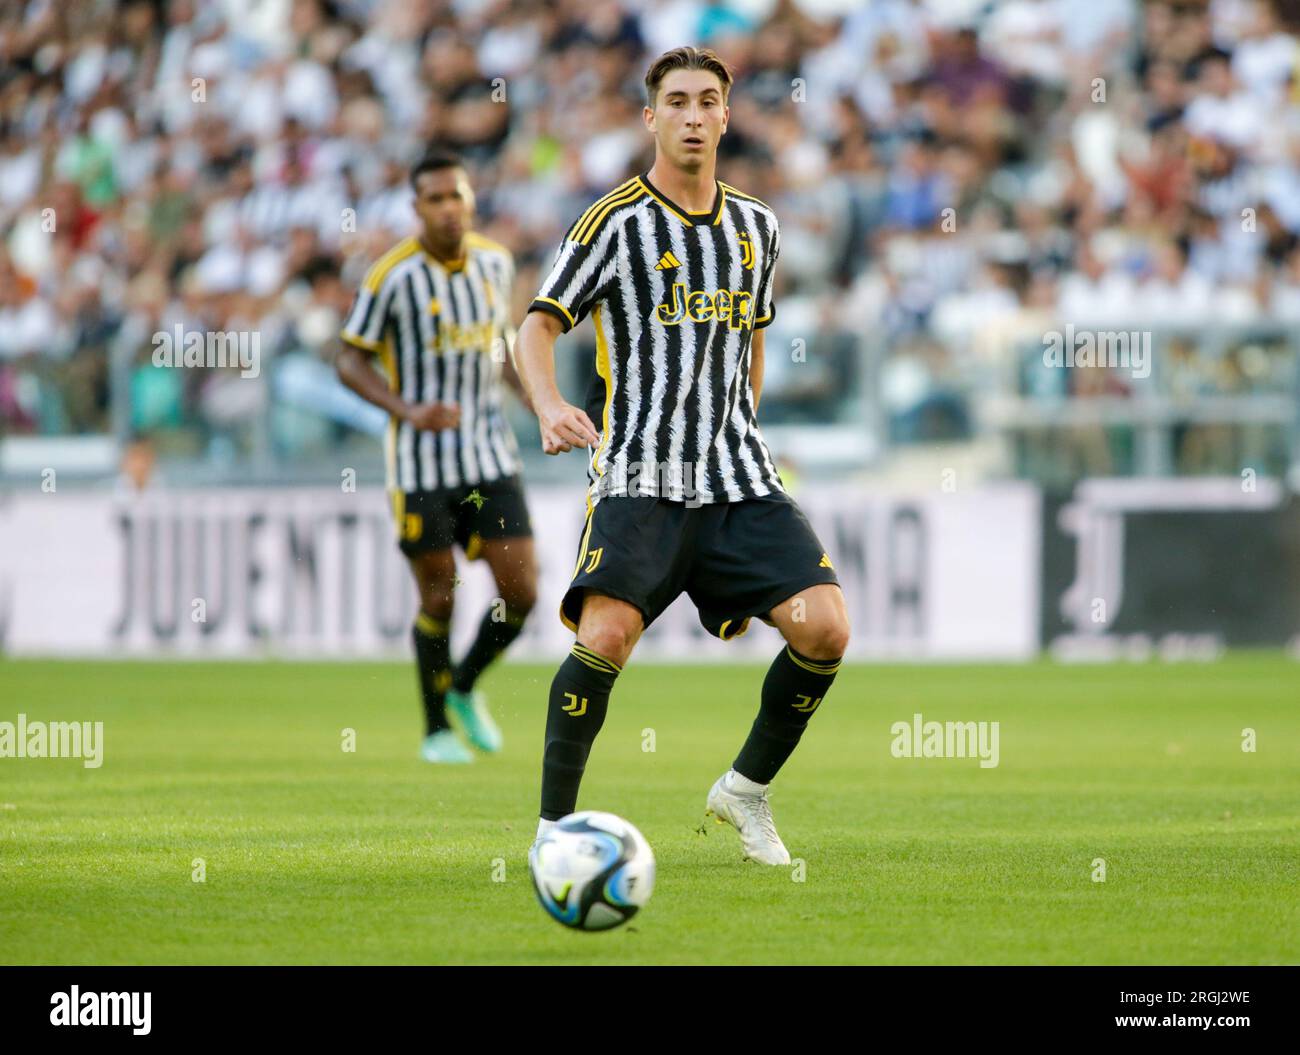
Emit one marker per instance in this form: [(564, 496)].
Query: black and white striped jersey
[(675, 298), (442, 332)]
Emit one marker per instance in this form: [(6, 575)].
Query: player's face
[(444, 202), (688, 118)]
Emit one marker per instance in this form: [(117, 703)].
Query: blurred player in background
[(434, 311), (676, 270)]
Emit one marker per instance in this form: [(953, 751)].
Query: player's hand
[(431, 417), (564, 427)]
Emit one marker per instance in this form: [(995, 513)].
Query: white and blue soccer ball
[(592, 871)]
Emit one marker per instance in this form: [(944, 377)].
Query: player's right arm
[(563, 426), (354, 370), (363, 337)]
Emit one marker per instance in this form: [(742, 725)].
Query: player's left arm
[(756, 347)]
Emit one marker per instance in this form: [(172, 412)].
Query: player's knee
[(436, 580), (609, 638), (837, 637), (825, 638), (436, 605)]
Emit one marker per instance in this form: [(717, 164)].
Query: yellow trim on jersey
[(722, 189), (390, 436), (602, 371), (567, 314), (593, 225), (479, 241), (390, 362), (362, 343), (452, 267), (621, 188), (381, 267), (748, 197), (665, 204)]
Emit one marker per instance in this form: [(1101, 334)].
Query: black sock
[(494, 637), (793, 690), (433, 660), (579, 699)]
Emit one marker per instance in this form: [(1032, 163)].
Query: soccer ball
[(592, 871)]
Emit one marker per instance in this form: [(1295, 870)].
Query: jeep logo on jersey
[(474, 337), (732, 306)]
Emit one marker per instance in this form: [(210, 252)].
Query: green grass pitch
[(317, 855)]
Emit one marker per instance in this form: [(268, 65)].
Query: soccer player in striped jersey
[(675, 269), (434, 312)]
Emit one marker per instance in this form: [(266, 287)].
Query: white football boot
[(543, 826), (743, 804)]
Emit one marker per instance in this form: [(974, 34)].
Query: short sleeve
[(369, 315), (574, 284), (366, 322), (766, 307), (364, 325)]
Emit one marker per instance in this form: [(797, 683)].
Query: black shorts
[(466, 516), (735, 560)]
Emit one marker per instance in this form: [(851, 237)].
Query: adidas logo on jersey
[(667, 262), (735, 307)]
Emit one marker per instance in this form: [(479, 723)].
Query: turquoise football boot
[(444, 746), (469, 710)]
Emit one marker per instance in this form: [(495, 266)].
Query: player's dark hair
[(433, 160), (686, 58)]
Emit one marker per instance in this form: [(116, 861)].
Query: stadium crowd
[(949, 174)]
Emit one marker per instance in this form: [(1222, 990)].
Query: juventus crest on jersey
[(442, 332), (675, 298)]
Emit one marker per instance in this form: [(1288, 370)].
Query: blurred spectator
[(949, 175)]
